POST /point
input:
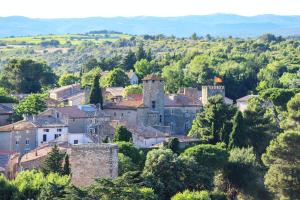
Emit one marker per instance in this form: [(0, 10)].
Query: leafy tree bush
[(27, 76), (122, 134), (115, 78), (283, 160), (133, 89), (68, 79)]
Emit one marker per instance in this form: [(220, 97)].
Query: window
[(115, 114), (153, 81), (27, 142), (172, 111), (153, 104), (58, 130), (56, 135), (46, 130), (44, 137), (57, 115), (75, 141), (17, 142), (160, 118)]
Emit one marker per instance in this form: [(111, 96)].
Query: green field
[(74, 39)]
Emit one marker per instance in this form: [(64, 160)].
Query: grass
[(75, 39)]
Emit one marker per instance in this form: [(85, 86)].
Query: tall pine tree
[(237, 137), (96, 93), (129, 61), (53, 161)]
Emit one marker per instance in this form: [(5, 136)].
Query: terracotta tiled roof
[(41, 151), (18, 126), (152, 77), (115, 91), (125, 104), (136, 97)]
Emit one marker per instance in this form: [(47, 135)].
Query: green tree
[(66, 169), (129, 61), (53, 161), (187, 195), (68, 79), (133, 89), (31, 105), (293, 114), (90, 64), (143, 67), (216, 113), (5, 97), (129, 150), (96, 93), (162, 172), (141, 54), (115, 78), (173, 144), (174, 77), (237, 136), (122, 134), (283, 161), (27, 76), (88, 78), (214, 156), (240, 176), (7, 190), (125, 164)]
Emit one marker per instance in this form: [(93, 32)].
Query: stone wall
[(91, 161)]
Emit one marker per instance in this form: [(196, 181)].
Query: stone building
[(6, 110), (91, 161), (68, 95), (168, 113)]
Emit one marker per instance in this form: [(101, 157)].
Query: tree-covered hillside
[(245, 65)]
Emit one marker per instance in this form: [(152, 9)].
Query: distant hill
[(216, 25)]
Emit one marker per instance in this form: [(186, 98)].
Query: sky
[(110, 8)]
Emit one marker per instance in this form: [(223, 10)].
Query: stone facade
[(91, 161), (212, 90), (153, 99)]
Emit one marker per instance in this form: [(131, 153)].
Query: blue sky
[(109, 8)]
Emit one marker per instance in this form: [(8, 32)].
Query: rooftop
[(115, 91), (41, 152), (48, 121), (152, 77), (18, 126), (247, 98), (64, 88), (6, 108)]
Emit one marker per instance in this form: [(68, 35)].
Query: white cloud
[(108, 8)]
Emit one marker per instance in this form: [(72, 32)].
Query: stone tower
[(91, 161), (153, 99), (212, 90)]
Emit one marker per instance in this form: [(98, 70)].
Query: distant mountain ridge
[(215, 24)]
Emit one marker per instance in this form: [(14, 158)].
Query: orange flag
[(218, 80)]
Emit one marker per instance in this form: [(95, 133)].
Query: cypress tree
[(67, 169), (53, 161), (237, 137), (96, 93)]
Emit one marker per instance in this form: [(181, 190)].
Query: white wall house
[(147, 142), (46, 134), (78, 138)]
